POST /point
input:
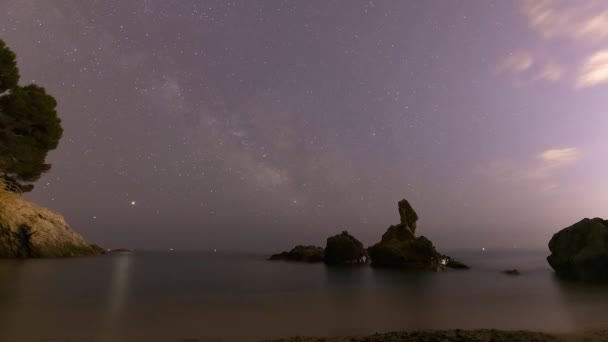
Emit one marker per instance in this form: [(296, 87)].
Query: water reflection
[(115, 313), (10, 282), (585, 304)]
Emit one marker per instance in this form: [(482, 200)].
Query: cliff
[(30, 231)]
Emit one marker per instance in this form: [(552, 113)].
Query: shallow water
[(191, 296)]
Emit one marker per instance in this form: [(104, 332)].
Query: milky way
[(255, 125)]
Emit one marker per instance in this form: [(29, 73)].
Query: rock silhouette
[(301, 253), (513, 272), (580, 252), (400, 248), (408, 215), (344, 249)]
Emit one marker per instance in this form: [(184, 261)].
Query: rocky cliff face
[(30, 231), (580, 251)]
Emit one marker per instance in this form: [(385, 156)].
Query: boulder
[(30, 231), (411, 253), (344, 249), (400, 248), (301, 253), (580, 252)]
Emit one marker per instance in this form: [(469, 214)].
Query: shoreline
[(458, 335)]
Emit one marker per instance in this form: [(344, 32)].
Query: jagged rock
[(580, 252), (30, 231), (408, 215), (301, 253), (400, 248), (344, 249)]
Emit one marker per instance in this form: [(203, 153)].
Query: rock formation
[(301, 253), (400, 248), (580, 252), (30, 231), (344, 249), (408, 215)]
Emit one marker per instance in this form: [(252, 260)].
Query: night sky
[(258, 125)]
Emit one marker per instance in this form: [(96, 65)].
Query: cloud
[(535, 174), (529, 68), (517, 62), (594, 70), (574, 23), (576, 20), (551, 72), (564, 155)]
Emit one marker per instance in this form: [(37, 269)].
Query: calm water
[(179, 296)]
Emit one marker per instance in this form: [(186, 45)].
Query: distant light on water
[(483, 248)]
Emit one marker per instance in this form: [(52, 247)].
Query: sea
[(213, 296)]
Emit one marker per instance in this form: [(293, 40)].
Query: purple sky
[(257, 125)]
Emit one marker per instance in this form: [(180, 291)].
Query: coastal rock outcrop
[(455, 264), (580, 252), (344, 249), (30, 231), (400, 248), (301, 253)]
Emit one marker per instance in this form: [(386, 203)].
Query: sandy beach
[(484, 335)]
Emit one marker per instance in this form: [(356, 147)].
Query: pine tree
[(29, 127)]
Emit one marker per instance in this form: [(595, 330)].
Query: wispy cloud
[(594, 70), (538, 173), (529, 68), (575, 23), (517, 62), (577, 20), (560, 156), (551, 72)]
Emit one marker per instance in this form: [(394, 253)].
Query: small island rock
[(344, 249), (512, 272), (301, 253), (121, 251), (400, 248), (580, 252)]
